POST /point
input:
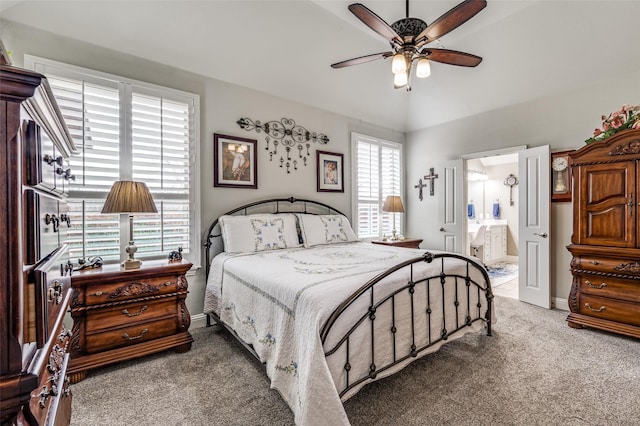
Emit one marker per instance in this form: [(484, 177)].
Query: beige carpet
[(534, 370)]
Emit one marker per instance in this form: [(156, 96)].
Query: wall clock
[(561, 176)]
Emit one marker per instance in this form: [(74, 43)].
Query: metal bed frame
[(465, 287)]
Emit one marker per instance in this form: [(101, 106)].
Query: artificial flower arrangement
[(627, 117)]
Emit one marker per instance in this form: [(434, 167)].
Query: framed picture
[(561, 176), (235, 162), (330, 171)]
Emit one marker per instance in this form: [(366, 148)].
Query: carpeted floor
[(534, 370)]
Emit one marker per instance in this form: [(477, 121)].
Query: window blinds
[(378, 171), (127, 131)]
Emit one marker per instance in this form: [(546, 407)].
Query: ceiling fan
[(410, 37)]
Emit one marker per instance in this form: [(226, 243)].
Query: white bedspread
[(278, 301)]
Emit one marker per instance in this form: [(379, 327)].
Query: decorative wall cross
[(287, 134), (420, 185), (431, 177)]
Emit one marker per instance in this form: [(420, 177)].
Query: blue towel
[(496, 210), (471, 211)]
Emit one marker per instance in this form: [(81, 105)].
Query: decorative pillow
[(325, 229), (258, 232)]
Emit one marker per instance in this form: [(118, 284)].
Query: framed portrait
[(235, 162), (330, 171)]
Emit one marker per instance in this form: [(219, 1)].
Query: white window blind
[(128, 130), (378, 170)]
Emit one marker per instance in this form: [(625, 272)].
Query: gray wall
[(222, 104), (563, 122)]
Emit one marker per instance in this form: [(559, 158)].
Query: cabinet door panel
[(604, 204)]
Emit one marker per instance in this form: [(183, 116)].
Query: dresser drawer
[(52, 286), (50, 402), (615, 288), (146, 287), (125, 315), (130, 335), (610, 309), (607, 266)]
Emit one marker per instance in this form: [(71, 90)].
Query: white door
[(450, 215), (534, 210)]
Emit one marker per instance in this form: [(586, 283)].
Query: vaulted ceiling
[(531, 49)]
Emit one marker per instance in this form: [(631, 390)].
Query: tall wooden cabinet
[(35, 275), (605, 245)]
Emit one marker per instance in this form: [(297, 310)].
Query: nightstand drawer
[(130, 335), (129, 314), (147, 287)]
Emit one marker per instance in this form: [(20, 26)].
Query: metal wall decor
[(511, 181), (431, 177), (287, 135)]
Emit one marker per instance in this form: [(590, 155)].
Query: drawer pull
[(44, 394), (168, 283), (67, 391), (595, 262), (98, 293), (50, 160), (55, 292), (126, 311), (65, 334), (588, 283), (126, 335), (602, 308)]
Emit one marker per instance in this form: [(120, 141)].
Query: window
[(128, 130), (377, 166)]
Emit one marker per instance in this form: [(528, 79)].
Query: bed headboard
[(213, 238)]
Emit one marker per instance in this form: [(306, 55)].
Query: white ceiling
[(531, 49)]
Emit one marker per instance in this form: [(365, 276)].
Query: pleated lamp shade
[(129, 197), (393, 204)]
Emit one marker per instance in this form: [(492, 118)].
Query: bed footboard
[(424, 313)]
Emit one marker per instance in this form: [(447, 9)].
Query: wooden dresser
[(124, 314), (605, 245), (34, 270)]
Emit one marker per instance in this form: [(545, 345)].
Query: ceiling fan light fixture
[(423, 68), (399, 64), (400, 79)]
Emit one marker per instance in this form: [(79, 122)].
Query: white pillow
[(258, 232), (325, 229)]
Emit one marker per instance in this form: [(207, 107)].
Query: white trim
[(560, 303), (198, 321)]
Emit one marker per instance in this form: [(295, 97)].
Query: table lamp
[(129, 197), (393, 204)]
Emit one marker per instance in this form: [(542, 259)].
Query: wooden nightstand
[(124, 314), (407, 242)]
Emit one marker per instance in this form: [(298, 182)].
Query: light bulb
[(398, 64), (423, 69), (400, 79)]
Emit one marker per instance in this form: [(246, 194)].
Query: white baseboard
[(561, 304), (198, 320)]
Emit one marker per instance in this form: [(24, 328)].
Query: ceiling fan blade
[(450, 21), (453, 57), (375, 22), (362, 60)]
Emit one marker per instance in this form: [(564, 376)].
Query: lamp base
[(131, 264)]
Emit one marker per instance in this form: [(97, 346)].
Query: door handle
[(441, 229), (543, 235)]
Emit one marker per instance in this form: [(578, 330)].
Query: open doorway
[(492, 221)]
